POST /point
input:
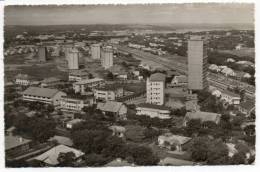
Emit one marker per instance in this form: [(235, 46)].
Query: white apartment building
[(68, 103), (73, 59), (107, 57), (44, 95), (108, 93), (153, 111), (78, 75), (22, 79), (95, 51), (155, 86), (80, 86)]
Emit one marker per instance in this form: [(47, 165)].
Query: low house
[(78, 75), (122, 75), (231, 60), (231, 149), (116, 109), (230, 97), (81, 86), (73, 122), (75, 103), (247, 107), (23, 79), (118, 162), (62, 140), (169, 161), (153, 110), (44, 95), (179, 80), (50, 82), (50, 158), (173, 142), (118, 131), (202, 116), (228, 72), (16, 145), (108, 92), (214, 67)]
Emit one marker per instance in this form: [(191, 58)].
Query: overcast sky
[(130, 14)]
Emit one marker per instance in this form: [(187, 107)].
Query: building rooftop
[(110, 87), (78, 73), (42, 92), (203, 116), (227, 92), (14, 141), (87, 81), (158, 77), (75, 121), (247, 104), (22, 76), (62, 140), (174, 139), (50, 80), (51, 156), (175, 162), (109, 106), (152, 106)]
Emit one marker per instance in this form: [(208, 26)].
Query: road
[(215, 80)]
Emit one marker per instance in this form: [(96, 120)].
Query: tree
[(238, 158), (66, 159), (199, 149), (193, 126), (143, 156), (151, 133), (95, 160), (217, 153), (114, 147)]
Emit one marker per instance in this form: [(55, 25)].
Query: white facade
[(73, 59), (108, 95), (155, 92), (95, 51), (24, 82), (230, 98), (74, 104), (107, 57), (79, 87), (78, 76), (54, 100), (152, 112)]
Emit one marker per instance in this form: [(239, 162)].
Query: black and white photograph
[(113, 85)]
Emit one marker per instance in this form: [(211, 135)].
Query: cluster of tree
[(38, 128), (100, 144), (146, 121), (215, 152)]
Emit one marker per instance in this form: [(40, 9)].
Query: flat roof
[(14, 141), (157, 77), (152, 106), (87, 81)]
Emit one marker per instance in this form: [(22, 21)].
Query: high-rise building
[(107, 57), (95, 51), (73, 59), (197, 63), (155, 86), (42, 54)]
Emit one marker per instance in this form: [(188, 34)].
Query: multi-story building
[(107, 57), (108, 92), (22, 79), (197, 63), (49, 82), (95, 51), (155, 86), (42, 54), (153, 111), (69, 103), (230, 97), (81, 86), (73, 59), (78, 75), (44, 95)]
